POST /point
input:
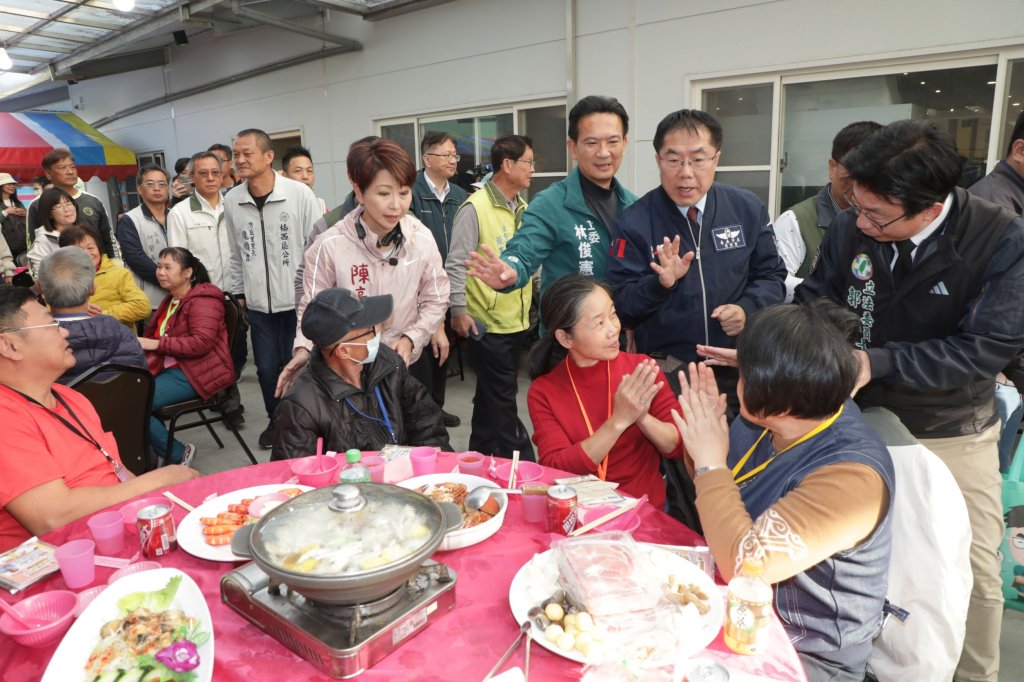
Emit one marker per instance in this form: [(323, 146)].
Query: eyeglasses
[(371, 330), (533, 164), (64, 206), (208, 174), (698, 163), (150, 184), (848, 195), (55, 323), (446, 157)]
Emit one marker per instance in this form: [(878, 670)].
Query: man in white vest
[(142, 231)]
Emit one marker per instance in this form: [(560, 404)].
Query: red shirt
[(559, 427), (37, 448)]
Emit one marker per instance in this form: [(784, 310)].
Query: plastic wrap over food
[(608, 574)]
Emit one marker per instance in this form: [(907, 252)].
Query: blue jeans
[(272, 337), (1010, 410), (171, 386)]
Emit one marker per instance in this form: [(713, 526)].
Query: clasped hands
[(633, 397), (701, 417)]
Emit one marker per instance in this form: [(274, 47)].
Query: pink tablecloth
[(461, 645)]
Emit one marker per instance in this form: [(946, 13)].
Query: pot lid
[(347, 530)]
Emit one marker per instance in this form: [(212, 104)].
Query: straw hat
[(6, 179)]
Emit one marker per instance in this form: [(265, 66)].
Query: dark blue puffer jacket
[(99, 339)]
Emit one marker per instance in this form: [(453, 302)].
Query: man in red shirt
[(57, 464)]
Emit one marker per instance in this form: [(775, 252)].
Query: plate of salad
[(148, 626)]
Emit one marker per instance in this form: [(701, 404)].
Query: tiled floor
[(460, 402)]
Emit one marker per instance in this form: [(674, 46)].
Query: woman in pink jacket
[(380, 249)]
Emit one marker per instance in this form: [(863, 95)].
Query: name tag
[(728, 238)]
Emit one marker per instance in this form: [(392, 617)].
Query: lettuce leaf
[(154, 601)]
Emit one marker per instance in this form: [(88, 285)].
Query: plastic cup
[(424, 461), (107, 530), (535, 507), (471, 463), (75, 559), (375, 464)]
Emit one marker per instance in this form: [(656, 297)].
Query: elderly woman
[(594, 408), (186, 344), (800, 482), (57, 211), (116, 292), (380, 249)]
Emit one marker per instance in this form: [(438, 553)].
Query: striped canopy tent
[(26, 138)]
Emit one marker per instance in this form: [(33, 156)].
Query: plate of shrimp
[(206, 532)]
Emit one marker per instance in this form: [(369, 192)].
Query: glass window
[(745, 113), (405, 135), (1014, 103), (755, 181), (958, 100), (546, 127)]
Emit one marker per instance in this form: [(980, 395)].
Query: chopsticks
[(178, 501), (607, 517), (512, 474)]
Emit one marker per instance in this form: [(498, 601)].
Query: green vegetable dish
[(149, 642)]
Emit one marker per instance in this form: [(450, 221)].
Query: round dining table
[(461, 645)]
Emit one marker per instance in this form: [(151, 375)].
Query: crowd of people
[(667, 339)]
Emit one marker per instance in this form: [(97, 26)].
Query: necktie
[(693, 214), (904, 261)]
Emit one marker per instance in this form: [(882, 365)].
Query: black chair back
[(234, 319), (123, 397)]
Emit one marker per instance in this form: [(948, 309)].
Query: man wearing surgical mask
[(355, 392)]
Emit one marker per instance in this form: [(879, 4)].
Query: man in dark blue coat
[(693, 258)]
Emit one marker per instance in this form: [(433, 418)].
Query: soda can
[(706, 670), (562, 502), (156, 531)]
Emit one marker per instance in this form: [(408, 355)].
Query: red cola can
[(561, 509), (156, 530)]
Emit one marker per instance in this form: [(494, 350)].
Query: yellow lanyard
[(602, 468), (756, 470), (172, 308)]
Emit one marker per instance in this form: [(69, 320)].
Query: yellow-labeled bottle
[(749, 609)]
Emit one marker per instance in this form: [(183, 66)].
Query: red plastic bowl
[(131, 511), (56, 608)]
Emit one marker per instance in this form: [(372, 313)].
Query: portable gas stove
[(342, 641)]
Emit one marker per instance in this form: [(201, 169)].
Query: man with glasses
[(57, 463), (495, 323), (59, 167), (799, 230), (435, 201), (693, 258), (142, 231), (566, 228), (356, 391), (935, 276)]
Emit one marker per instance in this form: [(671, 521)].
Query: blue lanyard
[(386, 421)]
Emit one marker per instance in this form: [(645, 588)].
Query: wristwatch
[(700, 470)]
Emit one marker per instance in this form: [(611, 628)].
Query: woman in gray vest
[(800, 482)]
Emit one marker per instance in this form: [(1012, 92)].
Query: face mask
[(372, 346)]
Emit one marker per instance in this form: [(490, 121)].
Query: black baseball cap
[(335, 312)]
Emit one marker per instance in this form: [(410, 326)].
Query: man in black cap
[(355, 392)]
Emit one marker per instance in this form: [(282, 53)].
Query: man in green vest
[(495, 323), (799, 230)]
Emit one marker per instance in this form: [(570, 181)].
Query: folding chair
[(123, 398), (172, 413)]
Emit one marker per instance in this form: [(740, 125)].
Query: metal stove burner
[(342, 641)]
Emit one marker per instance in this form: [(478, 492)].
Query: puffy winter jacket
[(118, 294), (98, 339), (321, 403), (197, 338)]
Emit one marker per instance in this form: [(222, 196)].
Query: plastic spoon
[(319, 454), (13, 613)]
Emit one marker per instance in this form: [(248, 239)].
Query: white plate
[(464, 537), (190, 530), (68, 662), (538, 579)]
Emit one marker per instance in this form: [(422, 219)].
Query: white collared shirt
[(919, 238), (438, 192), (700, 207)]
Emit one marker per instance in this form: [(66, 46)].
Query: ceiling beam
[(268, 20)]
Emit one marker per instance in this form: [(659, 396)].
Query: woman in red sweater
[(186, 344), (596, 410)]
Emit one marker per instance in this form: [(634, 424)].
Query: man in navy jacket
[(693, 258)]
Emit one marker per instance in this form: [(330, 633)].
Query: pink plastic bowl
[(56, 607), (528, 471), (131, 511), (629, 521), (304, 468), (132, 568), (263, 504)]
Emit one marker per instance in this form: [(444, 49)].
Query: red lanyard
[(602, 468)]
